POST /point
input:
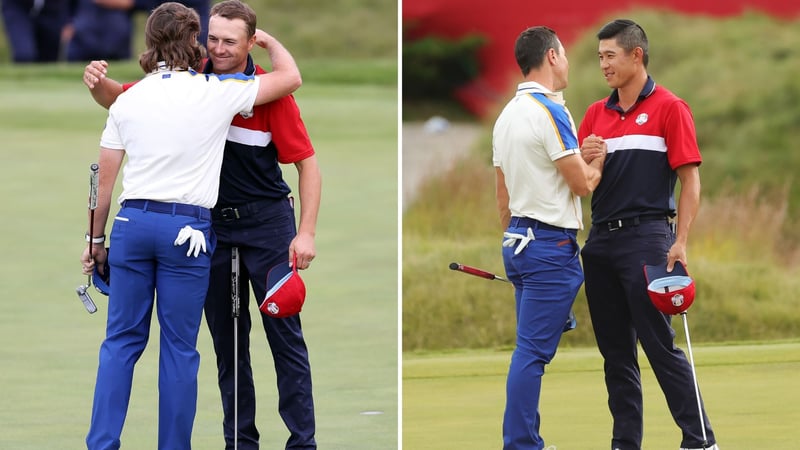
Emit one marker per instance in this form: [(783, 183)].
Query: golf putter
[(694, 378), (83, 290), (235, 314), (571, 323)]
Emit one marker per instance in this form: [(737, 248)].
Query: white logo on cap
[(677, 299), (641, 119), (272, 307)]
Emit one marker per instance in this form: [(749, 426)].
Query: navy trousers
[(623, 314), (263, 234)]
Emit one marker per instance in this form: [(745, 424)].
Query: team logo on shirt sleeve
[(641, 119)]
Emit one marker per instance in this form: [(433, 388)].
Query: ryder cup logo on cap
[(671, 292), (286, 291)]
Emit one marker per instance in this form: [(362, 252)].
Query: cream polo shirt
[(172, 126), (534, 130)]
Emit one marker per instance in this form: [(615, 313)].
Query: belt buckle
[(229, 214), (614, 225)]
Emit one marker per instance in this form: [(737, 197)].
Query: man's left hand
[(302, 247)]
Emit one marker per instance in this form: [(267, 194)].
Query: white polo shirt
[(172, 126), (534, 130)]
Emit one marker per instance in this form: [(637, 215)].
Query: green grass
[(50, 130), (456, 400), (378, 71)]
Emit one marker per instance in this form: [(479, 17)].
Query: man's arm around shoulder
[(284, 77), (103, 89)]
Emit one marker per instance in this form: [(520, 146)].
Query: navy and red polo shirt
[(274, 134), (645, 146)]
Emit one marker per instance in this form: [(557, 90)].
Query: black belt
[(526, 222), (180, 209), (614, 225), (231, 213)]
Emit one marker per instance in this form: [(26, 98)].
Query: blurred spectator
[(103, 29), (33, 28)]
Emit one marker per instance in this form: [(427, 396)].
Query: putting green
[(50, 130), (456, 400)]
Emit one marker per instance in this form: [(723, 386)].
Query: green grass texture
[(50, 130), (455, 400)]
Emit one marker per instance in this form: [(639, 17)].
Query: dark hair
[(236, 9), (170, 35), (628, 34), (532, 46)]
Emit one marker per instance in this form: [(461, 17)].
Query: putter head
[(572, 322), (86, 299)]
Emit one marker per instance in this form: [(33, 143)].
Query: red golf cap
[(286, 291), (671, 292)]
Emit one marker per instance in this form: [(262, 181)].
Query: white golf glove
[(512, 238), (196, 238)]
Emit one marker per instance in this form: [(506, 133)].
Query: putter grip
[(235, 282), (93, 180), (472, 271)]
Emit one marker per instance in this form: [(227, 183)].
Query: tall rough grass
[(741, 254)]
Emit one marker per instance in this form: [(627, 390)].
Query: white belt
[(512, 238)]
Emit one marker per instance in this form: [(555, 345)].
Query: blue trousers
[(623, 314), (546, 275), (263, 234), (145, 262)]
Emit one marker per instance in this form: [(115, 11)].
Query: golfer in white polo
[(172, 127)]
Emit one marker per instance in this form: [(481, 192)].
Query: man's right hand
[(94, 72), (593, 147), (98, 258), (104, 90)]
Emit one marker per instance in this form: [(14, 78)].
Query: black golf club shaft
[(235, 313)]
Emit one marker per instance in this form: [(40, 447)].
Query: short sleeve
[(111, 138), (681, 137)]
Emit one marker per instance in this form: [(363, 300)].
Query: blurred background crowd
[(78, 30)]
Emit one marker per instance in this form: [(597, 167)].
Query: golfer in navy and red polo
[(651, 143)]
